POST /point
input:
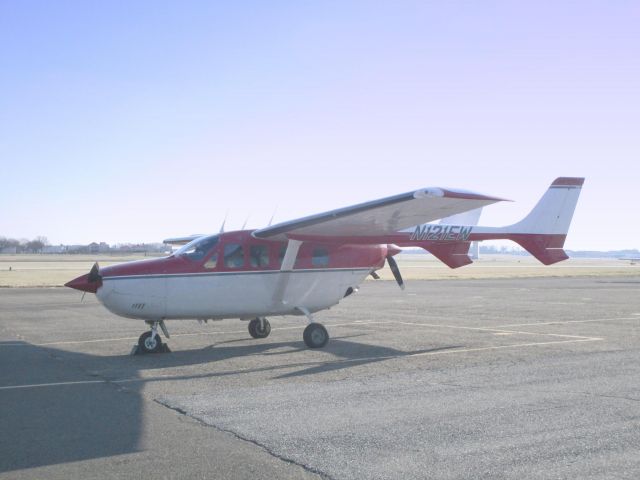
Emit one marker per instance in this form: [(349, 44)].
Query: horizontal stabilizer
[(453, 255)]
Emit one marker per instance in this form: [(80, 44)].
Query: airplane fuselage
[(219, 295), (238, 277)]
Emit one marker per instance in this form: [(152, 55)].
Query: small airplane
[(303, 266), (630, 258)]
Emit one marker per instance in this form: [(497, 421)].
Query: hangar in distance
[(309, 264)]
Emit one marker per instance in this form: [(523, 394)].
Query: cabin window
[(198, 248), (320, 257), (213, 260), (233, 255), (259, 255)]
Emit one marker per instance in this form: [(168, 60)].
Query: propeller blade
[(94, 273), (375, 275), (396, 271)]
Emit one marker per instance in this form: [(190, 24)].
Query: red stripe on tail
[(568, 182), (546, 248)]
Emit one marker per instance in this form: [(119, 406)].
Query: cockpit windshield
[(197, 249)]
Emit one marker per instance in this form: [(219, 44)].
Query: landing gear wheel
[(149, 344), (315, 335), (258, 331)]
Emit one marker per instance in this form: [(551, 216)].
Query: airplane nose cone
[(89, 282), (82, 283)]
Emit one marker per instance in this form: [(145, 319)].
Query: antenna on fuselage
[(223, 222), (272, 216), (245, 222)]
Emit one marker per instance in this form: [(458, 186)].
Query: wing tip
[(464, 195)]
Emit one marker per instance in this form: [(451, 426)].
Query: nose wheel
[(259, 327), (151, 341)]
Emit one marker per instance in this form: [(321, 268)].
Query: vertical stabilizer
[(543, 231), (553, 213)]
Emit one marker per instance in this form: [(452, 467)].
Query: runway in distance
[(310, 264)]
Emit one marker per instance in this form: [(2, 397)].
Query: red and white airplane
[(306, 265)]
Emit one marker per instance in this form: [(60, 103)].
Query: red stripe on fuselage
[(339, 255)]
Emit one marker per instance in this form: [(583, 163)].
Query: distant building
[(9, 250), (54, 249), (77, 249)]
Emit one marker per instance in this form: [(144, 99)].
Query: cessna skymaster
[(309, 264)]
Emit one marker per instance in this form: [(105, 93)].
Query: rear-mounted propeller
[(393, 266), (395, 270)]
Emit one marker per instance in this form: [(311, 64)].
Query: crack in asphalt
[(245, 439)]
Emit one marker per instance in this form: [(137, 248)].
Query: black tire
[(315, 335), (147, 345), (256, 331)]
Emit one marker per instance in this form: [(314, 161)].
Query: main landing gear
[(259, 327), (151, 341), (314, 336)]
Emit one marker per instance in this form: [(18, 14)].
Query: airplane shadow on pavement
[(66, 423), (72, 422), (344, 353)]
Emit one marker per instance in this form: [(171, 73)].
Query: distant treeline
[(23, 245), (41, 245), (492, 249), (622, 254), (629, 253)]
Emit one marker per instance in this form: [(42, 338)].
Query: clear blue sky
[(134, 121)]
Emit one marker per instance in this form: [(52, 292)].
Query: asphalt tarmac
[(520, 378)]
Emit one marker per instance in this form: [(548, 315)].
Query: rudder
[(543, 231)]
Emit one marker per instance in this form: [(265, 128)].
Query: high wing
[(181, 240), (381, 217)]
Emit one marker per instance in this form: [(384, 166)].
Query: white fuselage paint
[(227, 295)]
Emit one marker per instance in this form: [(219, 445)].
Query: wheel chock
[(135, 350)]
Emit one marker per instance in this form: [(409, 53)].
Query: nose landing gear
[(151, 341)]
